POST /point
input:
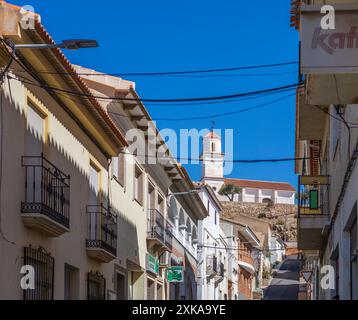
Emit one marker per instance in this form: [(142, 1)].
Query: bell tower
[(213, 160)]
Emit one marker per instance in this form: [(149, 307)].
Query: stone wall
[(281, 217)]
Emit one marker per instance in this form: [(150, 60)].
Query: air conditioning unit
[(164, 260)]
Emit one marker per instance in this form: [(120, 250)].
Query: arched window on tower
[(213, 147)]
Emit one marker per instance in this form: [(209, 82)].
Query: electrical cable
[(193, 99), (222, 75), (230, 161), (218, 115), (178, 72), (236, 249), (103, 99)]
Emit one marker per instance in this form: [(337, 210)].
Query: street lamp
[(65, 44)]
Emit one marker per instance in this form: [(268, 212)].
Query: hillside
[(282, 217)]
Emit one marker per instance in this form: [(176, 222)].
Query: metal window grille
[(96, 286), (44, 267)]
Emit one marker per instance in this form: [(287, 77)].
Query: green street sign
[(152, 264), (175, 274)]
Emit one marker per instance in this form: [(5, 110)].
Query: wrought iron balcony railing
[(211, 265), (313, 196), (159, 228), (47, 190), (102, 229), (222, 270)]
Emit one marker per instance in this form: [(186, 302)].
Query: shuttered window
[(36, 122), (118, 168), (35, 136), (138, 185)]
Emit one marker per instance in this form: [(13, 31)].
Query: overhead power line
[(218, 115), (192, 99), (185, 72), (198, 103), (277, 160)]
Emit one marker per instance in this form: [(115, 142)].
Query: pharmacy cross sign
[(307, 275)]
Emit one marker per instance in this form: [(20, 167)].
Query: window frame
[(138, 195)]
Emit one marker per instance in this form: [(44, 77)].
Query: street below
[(285, 284)]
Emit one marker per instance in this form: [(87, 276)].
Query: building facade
[(55, 178), (326, 136), (213, 255), (84, 214)]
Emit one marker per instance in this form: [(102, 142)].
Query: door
[(354, 262), (150, 289), (71, 283), (121, 287)]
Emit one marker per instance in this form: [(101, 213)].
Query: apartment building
[(58, 224), (164, 193), (232, 277), (248, 246), (186, 211), (82, 205), (213, 252), (326, 135)]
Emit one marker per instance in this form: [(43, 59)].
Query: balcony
[(211, 266), (311, 120), (101, 244), (313, 211), (46, 208), (247, 262), (220, 273), (159, 232)]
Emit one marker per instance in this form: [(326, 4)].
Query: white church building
[(253, 191)]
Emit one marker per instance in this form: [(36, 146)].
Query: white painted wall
[(209, 237)]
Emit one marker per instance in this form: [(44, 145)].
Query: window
[(94, 185), (43, 265), (96, 286), (336, 127), (151, 197), (138, 185), (36, 135), (118, 169), (161, 204), (213, 147), (36, 122), (216, 218)]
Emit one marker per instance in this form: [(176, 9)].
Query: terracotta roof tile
[(255, 184), (72, 72)]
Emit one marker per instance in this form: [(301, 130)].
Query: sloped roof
[(212, 135), (94, 106), (256, 184)]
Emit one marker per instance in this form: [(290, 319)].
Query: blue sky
[(162, 35)]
